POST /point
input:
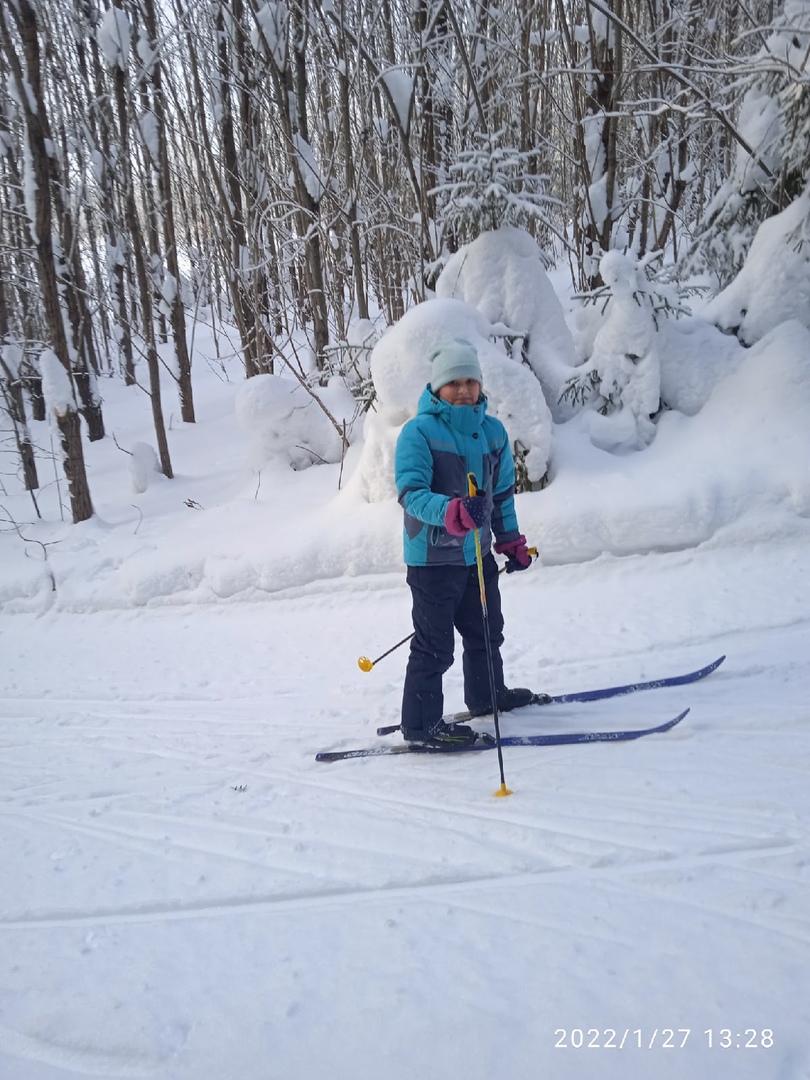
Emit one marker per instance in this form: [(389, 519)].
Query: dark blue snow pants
[(444, 598)]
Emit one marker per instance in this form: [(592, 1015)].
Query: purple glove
[(465, 514), (516, 552)]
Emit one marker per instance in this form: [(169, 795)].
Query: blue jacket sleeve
[(413, 468), (504, 516)]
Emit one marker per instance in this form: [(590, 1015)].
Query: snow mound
[(502, 274), (400, 369), (695, 357), (285, 422), (774, 284), (737, 470), (624, 363)]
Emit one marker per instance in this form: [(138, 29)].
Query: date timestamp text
[(663, 1038)]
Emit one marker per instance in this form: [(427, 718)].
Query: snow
[(400, 87), (143, 466), (761, 120), (287, 423), (150, 134), (270, 31), (56, 385), (11, 357), (624, 360), (502, 273), (115, 37), (308, 168), (774, 284), (189, 895)]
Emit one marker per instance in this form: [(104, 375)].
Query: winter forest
[(298, 177), (231, 234)]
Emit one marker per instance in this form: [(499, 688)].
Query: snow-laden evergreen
[(769, 167), (774, 285)]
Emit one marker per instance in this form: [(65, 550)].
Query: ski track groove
[(440, 890), (242, 770), (170, 847), (801, 934), (755, 829), (732, 823), (77, 1060)]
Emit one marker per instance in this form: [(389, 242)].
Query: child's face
[(461, 392)]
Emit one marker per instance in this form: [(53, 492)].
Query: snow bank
[(737, 469), (728, 466)]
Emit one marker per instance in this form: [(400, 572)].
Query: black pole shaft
[(393, 647)]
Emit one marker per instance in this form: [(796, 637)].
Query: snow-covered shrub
[(353, 359), (401, 370), (774, 284), (286, 424), (620, 381), (502, 273), (489, 187)]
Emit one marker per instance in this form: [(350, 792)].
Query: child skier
[(450, 437)]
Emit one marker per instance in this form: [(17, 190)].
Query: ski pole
[(503, 789), (365, 664)]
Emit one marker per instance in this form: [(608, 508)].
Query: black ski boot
[(442, 737), (507, 700)]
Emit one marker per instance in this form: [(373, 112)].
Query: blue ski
[(486, 742), (590, 695)]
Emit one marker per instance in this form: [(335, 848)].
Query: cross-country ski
[(590, 695), (486, 742)]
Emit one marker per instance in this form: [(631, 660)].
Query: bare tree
[(24, 59)]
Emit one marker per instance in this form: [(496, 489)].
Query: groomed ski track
[(188, 895)]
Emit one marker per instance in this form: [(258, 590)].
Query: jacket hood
[(463, 418)]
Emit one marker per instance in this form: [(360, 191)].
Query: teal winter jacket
[(435, 452)]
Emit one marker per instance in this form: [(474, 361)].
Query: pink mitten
[(516, 552)]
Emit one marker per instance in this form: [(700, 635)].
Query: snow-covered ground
[(188, 895)]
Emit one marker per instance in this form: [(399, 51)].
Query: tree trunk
[(166, 214), (28, 79), (145, 291), (70, 436)]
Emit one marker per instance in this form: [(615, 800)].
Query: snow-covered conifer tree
[(620, 383), (772, 171)]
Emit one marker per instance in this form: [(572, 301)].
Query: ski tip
[(675, 720)]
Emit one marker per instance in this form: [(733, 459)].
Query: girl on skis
[(450, 437)]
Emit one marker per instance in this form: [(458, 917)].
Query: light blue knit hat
[(454, 359)]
